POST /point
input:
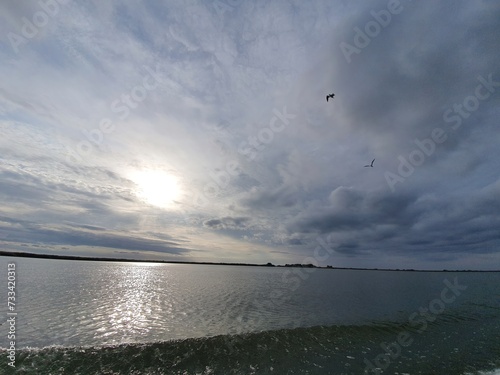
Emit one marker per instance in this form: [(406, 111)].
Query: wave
[(313, 350), (489, 372), (493, 372)]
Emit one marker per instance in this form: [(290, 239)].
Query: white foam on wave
[(493, 372)]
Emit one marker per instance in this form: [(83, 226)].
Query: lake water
[(76, 317)]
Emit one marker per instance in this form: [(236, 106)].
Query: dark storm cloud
[(86, 226), (348, 248), (23, 188), (352, 209), (280, 197), (403, 79), (20, 231), (294, 241), (367, 221), (228, 223), (398, 88)]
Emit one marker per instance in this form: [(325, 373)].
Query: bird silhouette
[(330, 96), (371, 165)]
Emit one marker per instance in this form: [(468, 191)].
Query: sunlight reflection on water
[(74, 303)]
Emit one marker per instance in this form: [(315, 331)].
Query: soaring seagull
[(371, 165), (330, 96)]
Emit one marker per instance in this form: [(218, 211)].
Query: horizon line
[(268, 264)]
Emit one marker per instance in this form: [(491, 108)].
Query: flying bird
[(371, 165), (330, 96)]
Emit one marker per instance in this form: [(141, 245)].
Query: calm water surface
[(74, 304), (98, 303)]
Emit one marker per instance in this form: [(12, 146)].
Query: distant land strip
[(72, 257)]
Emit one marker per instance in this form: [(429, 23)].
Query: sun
[(157, 188)]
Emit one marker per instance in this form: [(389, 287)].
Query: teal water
[(122, 318)]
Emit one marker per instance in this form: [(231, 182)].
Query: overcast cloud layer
[(228, 98)]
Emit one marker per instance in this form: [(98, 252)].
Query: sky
[(200, 131)]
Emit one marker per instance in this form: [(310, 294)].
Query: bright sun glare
[(157, 187)]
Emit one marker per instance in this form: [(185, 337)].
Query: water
[(136, 318)]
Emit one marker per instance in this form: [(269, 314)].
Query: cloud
[(228, 223), (262, 199), (352, 209), (360, 221), (21, 231)]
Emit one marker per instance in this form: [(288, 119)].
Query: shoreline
[(94, 259)]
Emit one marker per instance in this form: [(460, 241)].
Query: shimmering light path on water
[(329, 319)]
